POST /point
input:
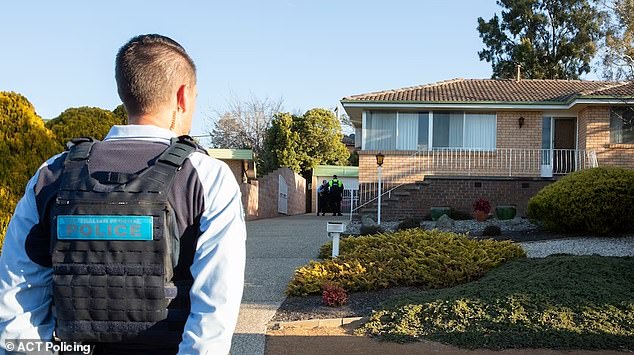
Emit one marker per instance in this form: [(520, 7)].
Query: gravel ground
[(473, 227), (536, 242), (623, 246)]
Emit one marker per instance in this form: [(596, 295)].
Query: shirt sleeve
[(25, 286), (219, 262)]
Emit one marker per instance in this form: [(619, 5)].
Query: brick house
[(450, 142)]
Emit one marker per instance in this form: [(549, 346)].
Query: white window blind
[(407, 131), (381, 131), (479, 131)]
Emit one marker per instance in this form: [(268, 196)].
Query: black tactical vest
[(114, 245)]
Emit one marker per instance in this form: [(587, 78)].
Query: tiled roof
[(492, 90)]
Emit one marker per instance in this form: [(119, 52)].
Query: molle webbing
[(118, 290)]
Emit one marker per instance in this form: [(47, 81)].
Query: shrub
[(412, 257), (482, 204), (371, 230), (599, 200), (24, 145), (84, 122), (334, 295), (458, 215), (408, 223), (491, 231)]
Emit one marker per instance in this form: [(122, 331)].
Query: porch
[(406, 167)]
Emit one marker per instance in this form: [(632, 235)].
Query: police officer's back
[(137, 243), (336, 195)]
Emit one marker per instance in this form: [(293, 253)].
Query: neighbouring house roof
[(498, 91), (340, 171), (231, 154)]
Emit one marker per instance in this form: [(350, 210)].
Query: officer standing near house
[(336, 195), (135, 245), (322, 193)]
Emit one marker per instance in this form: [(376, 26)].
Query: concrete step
[(401, 193)]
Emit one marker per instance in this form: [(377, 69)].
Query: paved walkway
[(275, 248)]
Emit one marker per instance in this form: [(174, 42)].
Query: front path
[(275, 248)]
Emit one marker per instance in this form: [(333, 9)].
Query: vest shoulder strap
[(159, 177)]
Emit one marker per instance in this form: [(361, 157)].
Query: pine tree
[(550, 39)]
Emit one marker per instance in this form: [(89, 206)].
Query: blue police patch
[(96, 227)]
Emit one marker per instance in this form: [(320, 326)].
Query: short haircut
[(149, 69)]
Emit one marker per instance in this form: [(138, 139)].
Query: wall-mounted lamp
[(521, 121), (379, 159)]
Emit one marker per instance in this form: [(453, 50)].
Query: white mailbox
[(335, 227)]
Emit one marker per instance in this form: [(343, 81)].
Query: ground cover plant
[(412, 257), (557, 302)]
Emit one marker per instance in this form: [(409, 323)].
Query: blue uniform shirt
[(26, 310)]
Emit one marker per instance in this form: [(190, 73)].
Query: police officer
[(322, 193), (135, 244), (336, 195)]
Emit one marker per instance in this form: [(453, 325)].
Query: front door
[(564, 144)]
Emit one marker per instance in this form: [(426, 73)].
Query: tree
[(244, 123), (550, 39), (82, 122), (24, 145), (302, 142), (120, 113), (617, 58), (229, 133), (320, 143), (281, 145)]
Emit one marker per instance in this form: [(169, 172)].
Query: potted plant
[(481, 209), (504, 212)]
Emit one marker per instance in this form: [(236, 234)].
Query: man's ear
[(182, 102)]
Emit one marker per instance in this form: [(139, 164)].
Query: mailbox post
[(334, 230)]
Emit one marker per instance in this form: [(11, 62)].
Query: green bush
[(458, 215), (599, 200), (84, 122), (24, 145), (406, 258)]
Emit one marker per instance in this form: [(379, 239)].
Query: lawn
[(564, 302)]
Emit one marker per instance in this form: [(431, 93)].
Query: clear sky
[(60, 54)]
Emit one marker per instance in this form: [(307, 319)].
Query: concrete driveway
[(275, 248)]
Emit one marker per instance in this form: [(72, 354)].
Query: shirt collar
[(140, 132)]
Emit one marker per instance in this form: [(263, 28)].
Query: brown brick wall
[(236, 169), (458, 193), (259, 197), (596, 121), (510, 135)]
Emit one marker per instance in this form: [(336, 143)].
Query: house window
[(381, 131), (622, 125), (448, 128), (411, 130), (459, 130)]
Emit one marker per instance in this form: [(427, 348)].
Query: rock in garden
[(367, 221), (444, 222)]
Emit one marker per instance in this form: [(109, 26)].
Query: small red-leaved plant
[(482, 204), (333, 295)]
